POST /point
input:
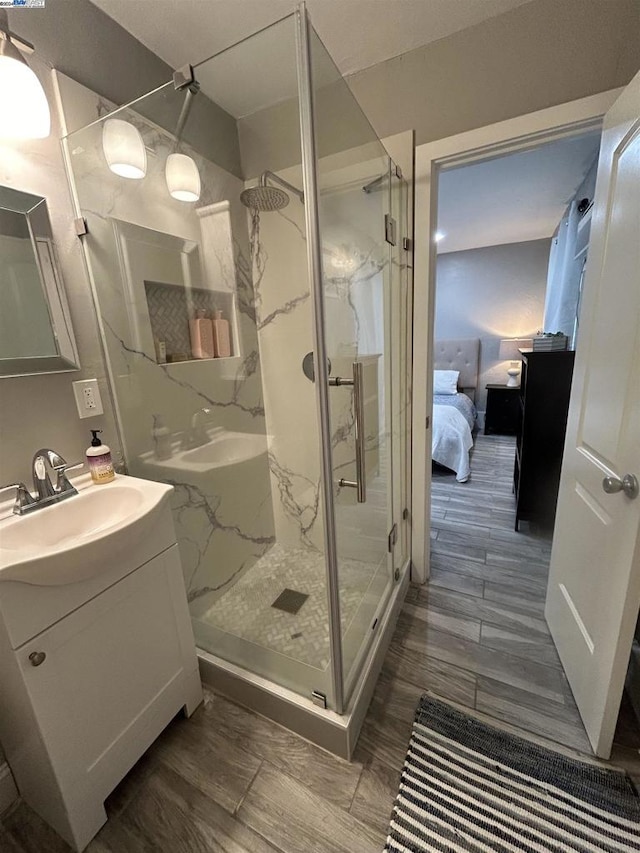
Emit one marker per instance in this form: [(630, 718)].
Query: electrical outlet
[(88, 398)]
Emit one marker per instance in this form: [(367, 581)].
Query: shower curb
[(334, 732)]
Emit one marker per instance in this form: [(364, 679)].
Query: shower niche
[(171, 280)]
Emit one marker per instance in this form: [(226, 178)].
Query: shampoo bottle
[(99, 459), (201, 331), (221, 336)]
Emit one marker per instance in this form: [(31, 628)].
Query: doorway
[(519, 135)]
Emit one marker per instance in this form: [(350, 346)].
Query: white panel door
[(594, 584)]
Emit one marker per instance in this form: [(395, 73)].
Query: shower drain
[(290, 600)]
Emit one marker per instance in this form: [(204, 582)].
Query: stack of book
[(550, 343)]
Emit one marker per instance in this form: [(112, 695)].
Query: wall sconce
[(24, 109), (124, 149), (183, 178), (509, 351)]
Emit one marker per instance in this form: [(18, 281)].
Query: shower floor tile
[(246, 610)]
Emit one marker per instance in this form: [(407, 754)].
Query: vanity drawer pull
[(37, 658)]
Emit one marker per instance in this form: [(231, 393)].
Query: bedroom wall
[(491, 293)]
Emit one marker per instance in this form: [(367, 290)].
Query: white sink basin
[(223, 448), (77, 538)]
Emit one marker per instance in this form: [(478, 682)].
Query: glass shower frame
[(343, 682)]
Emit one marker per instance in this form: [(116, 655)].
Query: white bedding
[(452, 441)]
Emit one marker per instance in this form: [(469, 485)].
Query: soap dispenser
[(221, 335), (99, 459)]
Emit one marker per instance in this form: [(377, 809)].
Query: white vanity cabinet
[(84, 697)]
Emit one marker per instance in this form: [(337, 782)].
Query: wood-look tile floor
[(229, 780)]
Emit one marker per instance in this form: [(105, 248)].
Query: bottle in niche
[(221, 335), (201, 331)]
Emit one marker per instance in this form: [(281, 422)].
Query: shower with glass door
[(256, 199)]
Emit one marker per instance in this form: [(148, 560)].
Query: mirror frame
[(34, 209)]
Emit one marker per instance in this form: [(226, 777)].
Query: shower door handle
[(360, 483)]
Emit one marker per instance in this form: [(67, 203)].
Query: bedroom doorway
[(499, 223), (481, 621), (512, 242)]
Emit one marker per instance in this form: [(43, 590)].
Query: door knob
[(628, 484), (37, 658)]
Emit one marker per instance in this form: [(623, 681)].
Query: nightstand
[(501, 417)]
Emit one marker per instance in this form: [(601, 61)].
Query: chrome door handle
[(628, 484), (360, 483)]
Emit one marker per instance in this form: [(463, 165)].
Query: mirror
[(35, 325)]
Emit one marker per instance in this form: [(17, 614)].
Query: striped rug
[(469, 786)]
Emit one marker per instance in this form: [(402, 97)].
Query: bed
[(454, 415)]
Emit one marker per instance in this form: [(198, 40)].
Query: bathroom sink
[(71, 541), (222, 449)]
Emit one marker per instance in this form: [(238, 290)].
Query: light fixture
[(183, 178), (180, 171), (124, 149), (439, 236), (24, 110), (510, 351)]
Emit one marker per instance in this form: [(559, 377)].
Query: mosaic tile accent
[(246, 609), (171, 306)]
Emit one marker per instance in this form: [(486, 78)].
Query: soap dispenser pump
[(99, 460)]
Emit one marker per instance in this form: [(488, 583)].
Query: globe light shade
[(183, 178), (24, 109), (124, 149)]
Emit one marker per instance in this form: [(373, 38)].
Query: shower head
[(263, 197)]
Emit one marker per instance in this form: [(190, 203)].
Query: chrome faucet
[(45, 492), (196, 435), (41, 481)]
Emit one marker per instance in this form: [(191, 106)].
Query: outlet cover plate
[(88, 399)]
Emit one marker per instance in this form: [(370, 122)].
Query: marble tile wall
[(285, 332), (354, 259), (222, 510)]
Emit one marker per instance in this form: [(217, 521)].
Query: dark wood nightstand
[(501, 417)]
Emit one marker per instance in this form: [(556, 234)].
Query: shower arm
[(276, 179)]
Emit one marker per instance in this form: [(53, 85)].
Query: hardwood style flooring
[(230, 780)]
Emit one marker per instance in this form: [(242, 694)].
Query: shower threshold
[(337, 733)]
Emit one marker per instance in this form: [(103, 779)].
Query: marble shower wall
[(354, 260), (285, 331), (137, 232)]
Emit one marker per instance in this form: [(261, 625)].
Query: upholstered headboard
[(461, 354)]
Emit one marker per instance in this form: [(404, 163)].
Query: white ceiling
[(512, 199), (357, 33)]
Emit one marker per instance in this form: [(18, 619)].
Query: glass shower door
[(401, 338), (358, 311)]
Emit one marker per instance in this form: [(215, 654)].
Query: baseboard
[(8, 790)]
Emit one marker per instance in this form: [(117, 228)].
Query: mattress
[(453, 420), (460, 402)]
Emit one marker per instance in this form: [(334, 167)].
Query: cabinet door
[(112, 675)]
